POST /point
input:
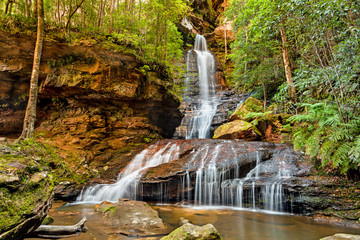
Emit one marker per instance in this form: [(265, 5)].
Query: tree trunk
[(285, 54), (7, 6), (28, 8), (225, 42), (125, 6), (99, 14), (58, 11), (30, 114), (60, 231), (72, 14), (112, 3)]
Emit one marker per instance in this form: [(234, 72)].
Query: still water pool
[(232, 224)]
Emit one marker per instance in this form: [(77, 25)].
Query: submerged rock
[(190, 231), (237, 129), (133, 218)]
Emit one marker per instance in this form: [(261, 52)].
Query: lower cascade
[(206, 173)]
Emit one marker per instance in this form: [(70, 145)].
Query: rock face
[(133, 218), (189, 231), (91, 100), (237, 129), (26, 194), (229, 101), (326, 196)]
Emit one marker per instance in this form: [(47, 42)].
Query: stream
[(231, 223)]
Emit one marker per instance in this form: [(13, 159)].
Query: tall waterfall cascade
[(201, 171), (200, 100)]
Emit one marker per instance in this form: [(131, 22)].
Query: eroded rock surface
[(92, 100), (133, 218)]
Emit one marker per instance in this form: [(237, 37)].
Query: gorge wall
[(92, 100)]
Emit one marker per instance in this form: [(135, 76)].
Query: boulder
[(189, 231), (237, 129), (133, 218), (342, 236), (26, 193), (250, 105)]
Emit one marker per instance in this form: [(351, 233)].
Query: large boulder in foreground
[(342, 236), (190, 231), (133, 218), (237, 129), (26, 193), (250, 105)]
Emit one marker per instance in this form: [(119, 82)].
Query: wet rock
[(330, 197), (67, 191), (231, 158), (237, 129), (183, 221), (229, 101), (250, 105), (133, 218), (342, 236), (190, 231)]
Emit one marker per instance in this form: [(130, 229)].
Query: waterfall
[(260, 192), (127, 184), (211, 173), (200, 93)]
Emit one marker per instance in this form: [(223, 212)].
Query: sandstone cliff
[(95, 101)]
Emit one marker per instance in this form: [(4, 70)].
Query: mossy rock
[(342, 236), (23, 208), (250, 105), (189, 231), (237, 129)]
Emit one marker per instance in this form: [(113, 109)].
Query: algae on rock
[(237, 129), (190, 231), (250, 105)]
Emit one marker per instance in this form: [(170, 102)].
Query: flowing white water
[(126, 185), (259, 192), (202, 114), (214, 182)]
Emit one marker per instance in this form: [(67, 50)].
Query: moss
[(48, 220), (250, 105), (233, 127), (20, 204)]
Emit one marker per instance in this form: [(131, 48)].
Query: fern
[(323, 134)]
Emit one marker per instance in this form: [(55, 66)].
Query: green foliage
[(146, 29), (323, 41), (256, 50), (323, 135)]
